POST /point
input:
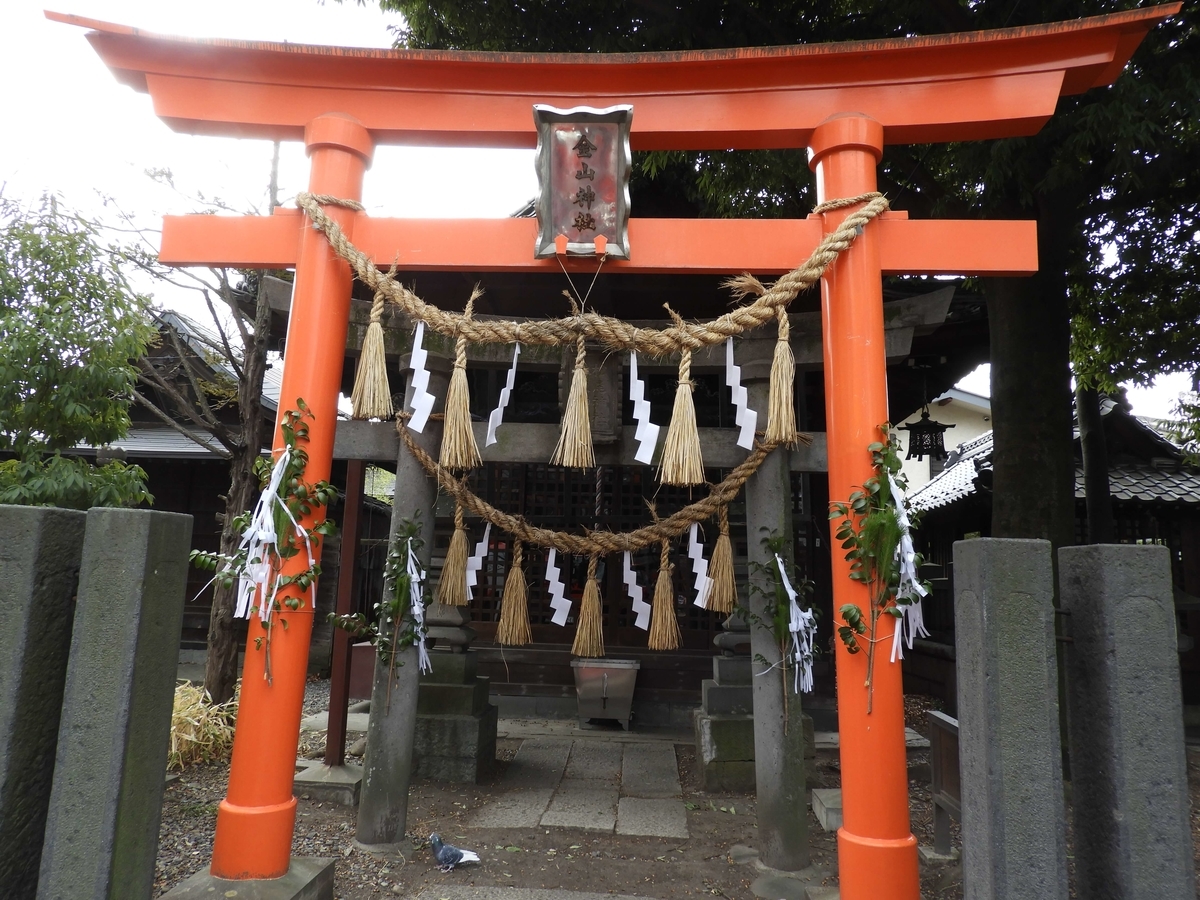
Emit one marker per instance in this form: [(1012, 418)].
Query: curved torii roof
[(965, 86)]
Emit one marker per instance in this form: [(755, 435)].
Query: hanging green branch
[(870, 532), (393, 627), (257, 565)]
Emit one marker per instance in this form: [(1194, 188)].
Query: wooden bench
[(946, 786)]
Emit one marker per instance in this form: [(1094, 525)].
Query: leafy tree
[(70, 326), (1111, 181)]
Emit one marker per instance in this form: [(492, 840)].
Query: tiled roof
[(1162, 481), (957, 480), (150, 441)]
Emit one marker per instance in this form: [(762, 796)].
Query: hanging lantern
[(926, 438), (583, 163)]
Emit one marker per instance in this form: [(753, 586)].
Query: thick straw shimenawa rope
[(596, 542), (613, 334)]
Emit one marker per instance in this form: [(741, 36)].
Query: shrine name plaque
[(583, 162)]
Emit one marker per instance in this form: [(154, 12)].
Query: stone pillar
[(1128, 762), (106, 802), (39, 571), (778, 736), (391, 730), (1010, 761)]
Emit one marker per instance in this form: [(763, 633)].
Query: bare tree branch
[(220, 451)]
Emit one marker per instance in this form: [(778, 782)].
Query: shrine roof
[(963, 86)]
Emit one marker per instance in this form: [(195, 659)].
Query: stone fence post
[(106, 802), (39, 572), (1133, 838), (1010, 758)]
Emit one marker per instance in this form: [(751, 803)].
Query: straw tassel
[(682, 462), (452, 586), (664, 628), (781, 411), (513, 629), (459, 450), (372, 395), (723, 596), (589, 635), (575, 442)]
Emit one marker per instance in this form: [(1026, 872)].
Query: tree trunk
[(1033, 461), (1101, 529), (220, 667)]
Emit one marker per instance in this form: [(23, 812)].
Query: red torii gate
[(842, 101)]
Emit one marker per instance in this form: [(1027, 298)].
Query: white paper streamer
[(422, 400), (803, 627), (417, 604), (558, 600), (475, 562), (912, 623), (647, 432), (259, 540), (640, 607), (744, 416), (497, 415), (699, 567)]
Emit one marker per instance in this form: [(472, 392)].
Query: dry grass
[(201, 731)]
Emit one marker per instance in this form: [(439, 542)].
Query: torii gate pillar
[(877, 853), (256, 819)]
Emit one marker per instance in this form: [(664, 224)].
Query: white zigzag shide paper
[(558, 600), (640, 607), (647, 432), (422, 400), (699, 567), (497, 415), (744, 416), (475, 563)]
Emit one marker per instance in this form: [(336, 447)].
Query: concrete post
[(39, 571), (391, 730), (1010, 761), (778, 737), (106, 801), (1125, 724)]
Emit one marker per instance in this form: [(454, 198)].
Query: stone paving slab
[(650, 770), (539, 763), (595, 761), (519, 809), (447, 892), (583, 804), (652, 817), (569, 729), (355, 721)]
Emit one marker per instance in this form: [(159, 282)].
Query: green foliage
[(870, 533), (392, 628), (70, 326), (297, 498), (71, 483)]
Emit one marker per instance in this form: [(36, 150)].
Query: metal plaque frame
[(545, 117)]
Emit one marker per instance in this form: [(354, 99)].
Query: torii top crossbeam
[(951, 87), (843, 102)]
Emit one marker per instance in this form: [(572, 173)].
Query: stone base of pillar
[(724, 726), (308, 878), (456, 726), (330, 784)]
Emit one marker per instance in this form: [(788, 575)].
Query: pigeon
[(449, 856)]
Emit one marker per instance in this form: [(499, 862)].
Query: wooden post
[(339, 674), (877, 853), (256, 818)]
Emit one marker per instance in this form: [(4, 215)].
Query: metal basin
[(605, 688)]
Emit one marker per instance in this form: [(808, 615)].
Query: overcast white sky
[(70, 128)]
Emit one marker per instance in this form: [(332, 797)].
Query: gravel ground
[(553, 858)]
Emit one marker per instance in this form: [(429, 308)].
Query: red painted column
[(255, 821), (877, 853)]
